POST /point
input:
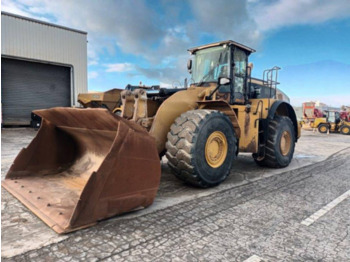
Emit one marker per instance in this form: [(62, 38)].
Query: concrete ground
[(299, 213)]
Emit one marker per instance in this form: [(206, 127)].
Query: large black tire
[(186, 147), (323, 128), (279, 128), (345, 130)]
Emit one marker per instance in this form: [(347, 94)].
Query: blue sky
[(139, 40)]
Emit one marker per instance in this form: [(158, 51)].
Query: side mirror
[(224, 81), (189, 64)]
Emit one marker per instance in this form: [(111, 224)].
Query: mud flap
[(84, 165)]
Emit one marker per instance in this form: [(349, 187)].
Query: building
[(43, 65), (320, 104)]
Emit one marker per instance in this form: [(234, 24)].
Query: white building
[(42, 66)]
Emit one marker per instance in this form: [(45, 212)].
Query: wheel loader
[(332, 122), (85, 165)]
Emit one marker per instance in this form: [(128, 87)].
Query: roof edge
[(230, 42), (43, 22)]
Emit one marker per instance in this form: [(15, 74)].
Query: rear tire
[(280, 144), (201, 147), (323, 128), (345, 130)]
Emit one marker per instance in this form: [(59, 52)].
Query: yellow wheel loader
[(88, 164), (332, 122)]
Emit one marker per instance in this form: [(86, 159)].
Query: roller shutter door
[(26, 86)]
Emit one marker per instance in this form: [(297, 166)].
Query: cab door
[(239, 75)]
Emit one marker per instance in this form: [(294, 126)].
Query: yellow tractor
[(331, 123), (85, 165)]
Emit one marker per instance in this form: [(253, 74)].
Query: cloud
[(92, 62), (119, 67), (22, 10), (15, 8), (271, 15), (227, 19), (160, 32), (131, 25), (92, 74)]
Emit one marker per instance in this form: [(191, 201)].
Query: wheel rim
[(345, 130), (216, 149), (286, 142), (323, 129)]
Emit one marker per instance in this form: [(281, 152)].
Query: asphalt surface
[(255, 213)]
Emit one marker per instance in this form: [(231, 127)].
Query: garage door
[(26, 86)]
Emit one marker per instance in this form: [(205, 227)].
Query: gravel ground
[(257, 211)]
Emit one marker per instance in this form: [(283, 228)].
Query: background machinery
[(332, 122), (310, 113), (110, 99), (88, 164), (345, 115)]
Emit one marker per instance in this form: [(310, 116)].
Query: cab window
[(239, 71)]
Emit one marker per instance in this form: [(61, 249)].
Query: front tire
[(345, 130), (201, 147), (279, 148), (323, 128)]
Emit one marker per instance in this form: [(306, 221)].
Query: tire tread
[(270, 158), (181, 142)]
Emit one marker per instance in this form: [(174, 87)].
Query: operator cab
[(226, 59), (333, 117)]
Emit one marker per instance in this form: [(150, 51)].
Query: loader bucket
[(84, 165)]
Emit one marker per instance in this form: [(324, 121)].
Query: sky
[(133, 41)]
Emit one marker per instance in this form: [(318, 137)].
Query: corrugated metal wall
[(27, 39)]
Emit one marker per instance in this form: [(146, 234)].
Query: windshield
[(331, 116), (210, 64)]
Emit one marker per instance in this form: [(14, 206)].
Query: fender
[(283, 108), (224, 107), (171, 109)]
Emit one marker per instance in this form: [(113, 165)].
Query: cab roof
[(228, 42)]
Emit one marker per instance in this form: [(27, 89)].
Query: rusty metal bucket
[(84, 165)]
